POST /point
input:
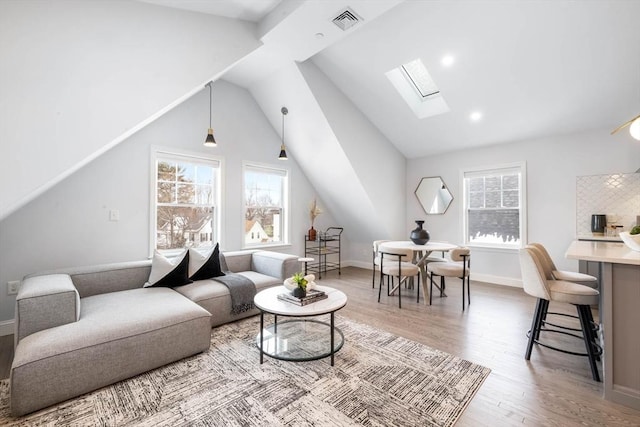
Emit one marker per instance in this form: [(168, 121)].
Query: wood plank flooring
[(553, 389)]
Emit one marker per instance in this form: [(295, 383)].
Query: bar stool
[(537, 284), (552, 273), (569, 276)]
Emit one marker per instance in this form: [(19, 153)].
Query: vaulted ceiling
[(531, 68)]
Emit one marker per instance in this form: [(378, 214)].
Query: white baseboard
[(6, 327), (497, 280), (487, 278)]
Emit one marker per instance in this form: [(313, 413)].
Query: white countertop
[(612, 252)]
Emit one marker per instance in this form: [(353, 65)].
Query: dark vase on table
[(299, 292), (419, 235)]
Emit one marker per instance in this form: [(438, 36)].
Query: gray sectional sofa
[(82, 329)]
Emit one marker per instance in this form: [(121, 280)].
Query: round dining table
[(420, 257)]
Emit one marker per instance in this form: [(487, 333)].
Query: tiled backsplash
[(615, 195)]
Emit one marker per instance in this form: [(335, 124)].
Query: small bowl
[(631, 240)]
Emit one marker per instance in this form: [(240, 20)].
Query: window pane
[(166, 192), (166, 171), (510, 199), (510, 182), (476, 184), (186, 172), (264, 213), (492, 183), (492, 199), (476, 200), (204, 175), (179, 227), (186, 193), (204, 194)]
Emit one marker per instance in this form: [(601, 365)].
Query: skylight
[(414, 83), (419, 77)]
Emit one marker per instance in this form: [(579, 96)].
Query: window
[(185, 201), (494, 214), (265, 200)]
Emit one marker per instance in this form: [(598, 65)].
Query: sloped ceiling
[(79, 77), (533, 68)]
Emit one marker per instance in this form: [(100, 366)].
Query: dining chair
[(375, 260), (459, 266), (392, 265), (536, 283)]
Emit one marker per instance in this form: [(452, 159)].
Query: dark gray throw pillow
[(204, 265)]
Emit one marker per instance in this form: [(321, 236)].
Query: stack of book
[(311, 297)]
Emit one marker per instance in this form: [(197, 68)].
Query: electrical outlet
[(12, 287), (114, 215)]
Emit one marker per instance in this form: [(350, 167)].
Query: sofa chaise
[(81, 329)]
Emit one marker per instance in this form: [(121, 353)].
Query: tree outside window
[(185, 202)]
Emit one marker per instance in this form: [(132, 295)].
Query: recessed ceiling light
[(319, 35), (448, 61), (475, 116)]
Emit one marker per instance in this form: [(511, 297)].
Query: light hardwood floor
[(553, 389)]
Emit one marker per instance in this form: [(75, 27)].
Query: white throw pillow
[(167, 272)]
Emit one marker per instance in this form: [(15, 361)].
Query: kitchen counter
[(619, 278), (603, 252)]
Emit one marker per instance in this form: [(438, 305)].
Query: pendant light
[(283, 153), (634, 127), (210, 141)]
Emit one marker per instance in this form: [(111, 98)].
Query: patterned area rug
[(378, 380)]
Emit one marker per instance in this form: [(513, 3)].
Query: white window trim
[(523, 205), (285, 205), (159, 151)]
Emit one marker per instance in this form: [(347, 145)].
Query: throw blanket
[(242, 291)]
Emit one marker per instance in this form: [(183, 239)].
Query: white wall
[(79, 76), (69, 225), (552, 167)]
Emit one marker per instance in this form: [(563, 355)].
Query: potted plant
[(314, 211), (300, 291)]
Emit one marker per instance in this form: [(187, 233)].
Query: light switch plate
[(114, 215), (13, 287)]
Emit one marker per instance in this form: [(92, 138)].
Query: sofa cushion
[(204, 265), (119, 335), (167, 272), (215, 297)]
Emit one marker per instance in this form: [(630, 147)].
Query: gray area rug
[(378, 380)]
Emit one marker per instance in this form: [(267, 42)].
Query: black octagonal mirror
[(433, 195)]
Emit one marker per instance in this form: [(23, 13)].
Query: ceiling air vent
[(346, 19)]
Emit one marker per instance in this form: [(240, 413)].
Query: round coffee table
[(299, 340)]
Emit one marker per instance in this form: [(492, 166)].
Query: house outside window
[(266, 194), (494, 206), (185, 201)]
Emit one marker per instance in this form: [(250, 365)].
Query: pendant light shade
[(210, 141), (634, 127), (283, 151)]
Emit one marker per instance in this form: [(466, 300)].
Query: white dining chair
[(394, 263), (459, 266), (375, 260)]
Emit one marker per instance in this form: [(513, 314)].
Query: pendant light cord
[(209, 84)]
